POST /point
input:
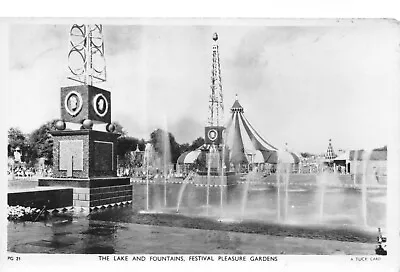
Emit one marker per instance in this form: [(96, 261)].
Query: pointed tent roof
[(247, 145), (236, 106)]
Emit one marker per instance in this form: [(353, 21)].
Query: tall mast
[(86, 61), (216, 106)]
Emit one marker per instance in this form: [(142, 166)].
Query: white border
[(280, 9), (75, 112), (203, 9), (97, 96)]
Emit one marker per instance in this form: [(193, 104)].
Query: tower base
[(94, 192)]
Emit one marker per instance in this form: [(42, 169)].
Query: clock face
[(100, 105), (73, 103), (212, 134)]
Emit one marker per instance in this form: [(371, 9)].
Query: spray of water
[(355, 167), (222, 180), (166, 149), (278, 192), (146, 158), (182, 189), (322, 187), (211, 153), (287, 175), (245, 194)]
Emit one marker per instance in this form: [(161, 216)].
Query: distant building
[(330, 154), (359, 161), (376, 162)]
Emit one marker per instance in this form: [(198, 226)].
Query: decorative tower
[(86, 159), (330, 154), (214, 128), (86, 61)]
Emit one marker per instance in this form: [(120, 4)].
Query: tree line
[(39, 144)]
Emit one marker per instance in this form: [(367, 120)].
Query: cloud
[(121, 39), (301, 85), (186, 130), (28, 43)]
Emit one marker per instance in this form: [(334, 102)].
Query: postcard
[(234, 142)]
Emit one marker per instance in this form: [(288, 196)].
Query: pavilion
[(245, 145)]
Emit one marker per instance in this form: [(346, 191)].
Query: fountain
[(283, 173), (182, 189), (209, 163), (166, 151), (147, 161), (245, 195), (278, 192), (222, 167), (322, 183), (253, 196), (286, 180)]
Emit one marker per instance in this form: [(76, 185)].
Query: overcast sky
[(299, 83)]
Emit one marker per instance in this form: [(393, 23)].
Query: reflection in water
[(69, 230), (99, 237)]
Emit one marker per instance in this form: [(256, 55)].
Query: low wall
[(51, 198), (102, 196), (84, 182)]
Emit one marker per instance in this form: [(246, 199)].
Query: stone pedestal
[(86, 161), (84, 154)]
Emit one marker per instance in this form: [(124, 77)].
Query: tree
[(16, 139), (190, 147), (175, 148), (171, 147), (41, 142), (306, 155), (120, 129), (126, 144), (197, 143), (184, 147)]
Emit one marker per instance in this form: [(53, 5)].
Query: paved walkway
[(90, 236)]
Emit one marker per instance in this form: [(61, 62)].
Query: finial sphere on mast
[(215, 36)]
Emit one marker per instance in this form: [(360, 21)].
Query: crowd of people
[(22, 171)]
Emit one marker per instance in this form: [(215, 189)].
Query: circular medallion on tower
[(212, 134), (73, 103), (100, 105)]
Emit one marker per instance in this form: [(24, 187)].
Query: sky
[(300, 82)]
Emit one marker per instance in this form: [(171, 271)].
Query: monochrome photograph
[(173, 140)]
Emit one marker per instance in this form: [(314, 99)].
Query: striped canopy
[(247, 145), (188, 156)]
